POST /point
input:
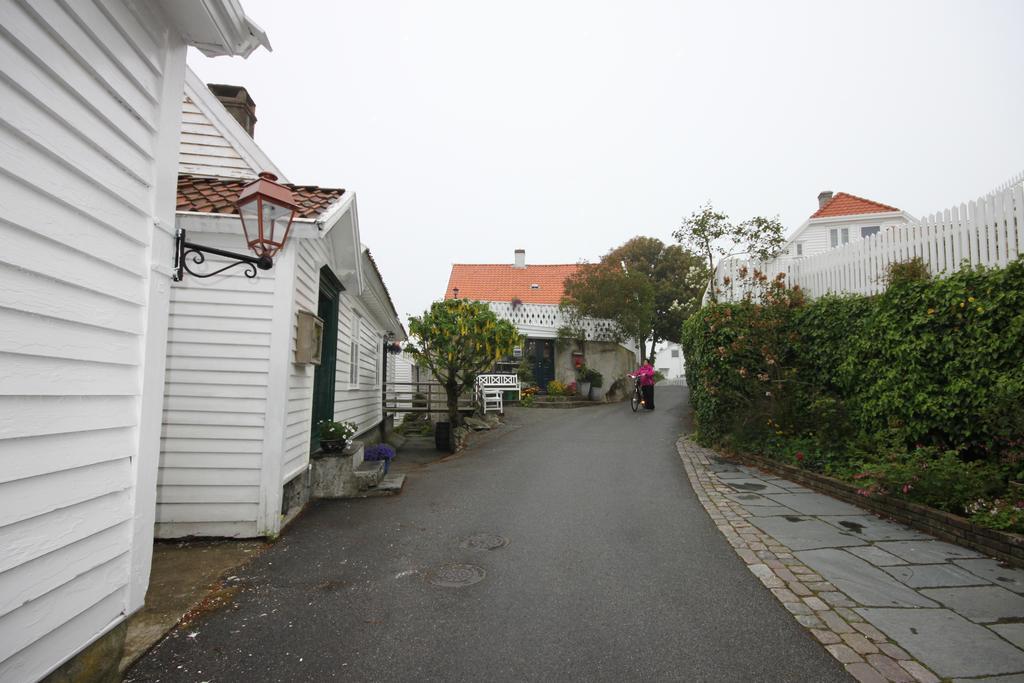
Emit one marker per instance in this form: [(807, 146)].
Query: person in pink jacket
[(646, 374)]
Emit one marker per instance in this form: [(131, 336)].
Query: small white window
[(799, 248), (833, 237), (839, 236), (353, 351), (846, 235), (869, 230), (675, 353), (534, 286)]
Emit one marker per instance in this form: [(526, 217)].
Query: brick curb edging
[(820, 607), (1002, 545)]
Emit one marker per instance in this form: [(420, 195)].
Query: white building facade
[(241, 405), (90, 106)]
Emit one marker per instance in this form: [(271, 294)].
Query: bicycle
[(638, 395)]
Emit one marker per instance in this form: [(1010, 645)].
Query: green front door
[(541, 354), (324, 376)]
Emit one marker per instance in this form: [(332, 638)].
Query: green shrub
[(938, 479)]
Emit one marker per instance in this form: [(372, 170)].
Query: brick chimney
[(520, 259), (239, 104), (823, 198)]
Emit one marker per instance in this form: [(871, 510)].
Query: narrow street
[(610, 570)]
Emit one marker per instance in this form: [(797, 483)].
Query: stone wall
[(612, 360)]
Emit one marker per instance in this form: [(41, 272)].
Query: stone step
[(369, 474), (391, 485)]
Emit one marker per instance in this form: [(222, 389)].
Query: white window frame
[(876, 228), (838, 236), (799, 248), (353, 351)]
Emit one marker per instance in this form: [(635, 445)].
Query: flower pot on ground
[(335, 436), (583, 388)]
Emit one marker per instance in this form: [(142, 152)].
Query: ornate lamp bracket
[(185, 250)]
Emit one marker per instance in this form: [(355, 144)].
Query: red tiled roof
[(218, 195), (843, 204), (503, 282)]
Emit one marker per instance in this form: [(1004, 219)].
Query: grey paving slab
[(750, 499), (753, 485), (984, 604), (804, 533), (1012, 678), (863, 582), (1006, 577), (934, 576), (770, 511), (792, 488), (874, 528), (1012, 632), (946, 642), (814, 504), (877, 556), (927, 552)]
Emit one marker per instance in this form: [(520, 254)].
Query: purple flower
[(381, 451)]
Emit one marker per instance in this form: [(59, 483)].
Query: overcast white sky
[(468, 129)]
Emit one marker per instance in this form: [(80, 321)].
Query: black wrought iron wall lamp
[(267, 209)]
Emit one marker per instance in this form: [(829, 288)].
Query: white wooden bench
[(490, 391)]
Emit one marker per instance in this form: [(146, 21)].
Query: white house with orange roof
[(529, 296), (255, 363), (842, 218)]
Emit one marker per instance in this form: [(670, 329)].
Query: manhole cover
[(484, 542), (457, 575)]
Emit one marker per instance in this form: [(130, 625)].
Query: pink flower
[(906, 488)]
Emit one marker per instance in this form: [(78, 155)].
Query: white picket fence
[(988, 231)]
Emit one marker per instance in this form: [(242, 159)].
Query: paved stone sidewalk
[(890, 603)]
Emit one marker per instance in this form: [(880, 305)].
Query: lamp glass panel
[(275, 220), (249, 213)]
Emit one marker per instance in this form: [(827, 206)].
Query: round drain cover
[(484, 542), (457, 575)]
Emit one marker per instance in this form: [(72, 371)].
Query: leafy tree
[(456, 340), (710, 233), (646, 288)]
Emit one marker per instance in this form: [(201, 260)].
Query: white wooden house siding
[(213, 143), (215, 405), (359, 403), (89, 122), (815, 235), (204, 151)]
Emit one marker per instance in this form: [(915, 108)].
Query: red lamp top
[(267, 209)]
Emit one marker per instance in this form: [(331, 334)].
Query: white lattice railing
[(988, 231), (531, 318)]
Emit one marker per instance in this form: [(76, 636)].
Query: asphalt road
[(612, 571)]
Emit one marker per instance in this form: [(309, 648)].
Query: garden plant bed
[(1007, 547)]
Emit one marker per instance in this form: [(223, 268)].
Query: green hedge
[(938, 363)]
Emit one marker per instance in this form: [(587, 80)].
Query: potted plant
[(596, 385), (336, 436), (583, 381)]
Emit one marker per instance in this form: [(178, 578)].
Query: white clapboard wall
[(359, 401), (89, 116), (215, 399), (988, 231)]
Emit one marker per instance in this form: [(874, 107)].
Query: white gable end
[(212, 141)]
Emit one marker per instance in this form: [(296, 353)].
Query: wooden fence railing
[(422, 397), (988, 231)]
